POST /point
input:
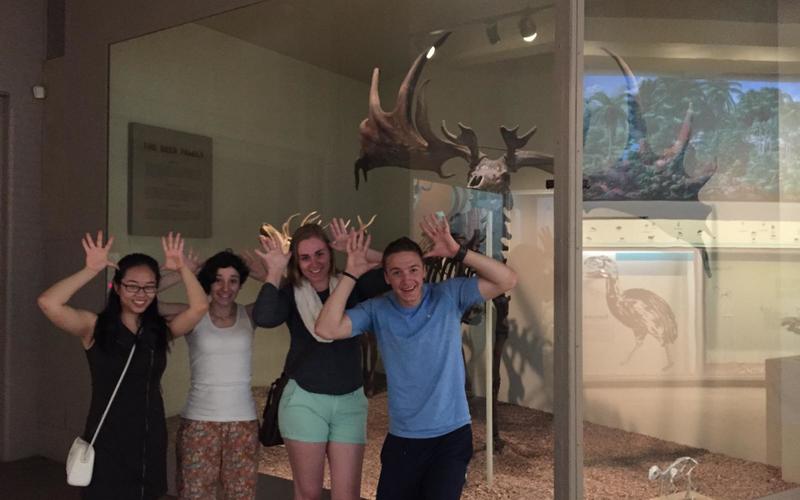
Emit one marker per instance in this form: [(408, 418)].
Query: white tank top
[(220, 363)]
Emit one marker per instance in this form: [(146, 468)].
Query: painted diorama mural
[(747, 133), (638, 172)]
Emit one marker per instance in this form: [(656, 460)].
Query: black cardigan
[(327, 368)]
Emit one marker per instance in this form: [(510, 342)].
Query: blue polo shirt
[(421, 351)]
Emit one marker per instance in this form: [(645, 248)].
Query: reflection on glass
[(691, 230)]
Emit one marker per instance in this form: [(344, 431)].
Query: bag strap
[(113, 394)]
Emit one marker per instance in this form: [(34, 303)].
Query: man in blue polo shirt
[(418, 326)]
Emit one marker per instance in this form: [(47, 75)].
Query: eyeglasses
[(134, 289)]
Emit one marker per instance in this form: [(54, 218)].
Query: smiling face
[(405, 272), (314, 261), (226, 287), (137, 289)]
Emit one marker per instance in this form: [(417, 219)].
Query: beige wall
[(283, 136), (730, 420)]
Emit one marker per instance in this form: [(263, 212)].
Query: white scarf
[(309, 305)]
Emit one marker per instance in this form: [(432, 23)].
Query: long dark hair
[(110, 321), (305, 232)]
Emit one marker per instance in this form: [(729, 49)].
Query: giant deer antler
[(395, 138), (284, 236), (400, 138)]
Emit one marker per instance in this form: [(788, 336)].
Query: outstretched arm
[(332, 322), (53, 302), (258, 272), (494, 277), (271, 308), (256, 266), (183, 322), (171, 278)]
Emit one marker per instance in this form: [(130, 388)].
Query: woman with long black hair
[(130, 450)]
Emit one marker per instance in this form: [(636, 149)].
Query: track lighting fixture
[(527, 28)]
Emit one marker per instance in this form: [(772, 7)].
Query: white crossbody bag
[(80, 461)]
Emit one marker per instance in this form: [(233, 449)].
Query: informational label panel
[(169, 182)]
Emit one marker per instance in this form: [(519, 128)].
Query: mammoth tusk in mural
[(640, 174)]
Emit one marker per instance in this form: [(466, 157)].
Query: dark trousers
[(431, 468)]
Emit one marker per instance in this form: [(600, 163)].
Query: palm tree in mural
[(611, 111), (721, 96), (761, 105), (644, 312)]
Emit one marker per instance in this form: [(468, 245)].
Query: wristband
[(460, 254), (345, 273)]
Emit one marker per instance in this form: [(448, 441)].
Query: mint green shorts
[(320, 418)]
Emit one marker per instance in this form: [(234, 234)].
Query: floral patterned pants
[(217, 452)]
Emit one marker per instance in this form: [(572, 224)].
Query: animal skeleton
[(680, 469), (405, 139)]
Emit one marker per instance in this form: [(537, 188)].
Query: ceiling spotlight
[(527, 28), (492, 33)]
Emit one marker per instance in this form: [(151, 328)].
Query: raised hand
[(357, 248), (193, 261), (174, 259), (339, 234), (438, 231), (96, 252), (258, 269), (272, 255)]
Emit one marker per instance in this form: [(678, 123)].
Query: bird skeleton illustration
[(644, 312)]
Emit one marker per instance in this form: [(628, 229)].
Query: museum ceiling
[(732, 38)]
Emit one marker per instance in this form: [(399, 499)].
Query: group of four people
[(323, 410)]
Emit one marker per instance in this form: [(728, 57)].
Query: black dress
[(131, 448)]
